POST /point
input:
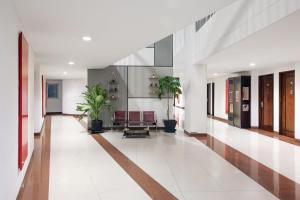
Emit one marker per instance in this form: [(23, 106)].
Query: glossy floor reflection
[(274, 182), (229, 163), (277, 155), (81, 169), (188, 168)]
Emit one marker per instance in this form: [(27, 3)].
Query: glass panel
[(52, 90)]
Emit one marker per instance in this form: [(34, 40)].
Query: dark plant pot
[(97, 126), (170, 126)]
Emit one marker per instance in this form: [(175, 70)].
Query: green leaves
[(96, 99), (169, 85)]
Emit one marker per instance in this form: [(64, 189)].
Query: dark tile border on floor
[(145, 181), (271, 134), (279, 185), (36, 181), (155, 190)]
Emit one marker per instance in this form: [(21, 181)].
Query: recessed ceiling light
[(215, 74), (65, 73), (252, 64), (86, 38), (71, 63)]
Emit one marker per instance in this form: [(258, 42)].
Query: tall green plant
[(169, 85), (96, 99)]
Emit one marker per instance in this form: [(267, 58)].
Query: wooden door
[(266, 102), (287, 103), (208, 99), (213, 99)]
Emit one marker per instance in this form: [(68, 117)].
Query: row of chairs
[(134, 119)]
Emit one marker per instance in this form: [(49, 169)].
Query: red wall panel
[(23, 101)]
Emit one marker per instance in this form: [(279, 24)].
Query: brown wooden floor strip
[(149, 185), (36, 182), (279, 185), (271, 134), (275, 135)]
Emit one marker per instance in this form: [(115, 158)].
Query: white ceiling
[(54, 28), (277, 45)]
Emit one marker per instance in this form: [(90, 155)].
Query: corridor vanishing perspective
[(162, 100)]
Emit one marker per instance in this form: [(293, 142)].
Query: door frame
[(208, 94), (280, 99), (213, 99), (260, 90)]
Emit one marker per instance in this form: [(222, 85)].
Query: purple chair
[(119, 118), (134, 118), (149, 119)]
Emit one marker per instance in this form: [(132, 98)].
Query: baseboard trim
[(72, 115), (195, 134), (219, 119), (39, 133), (54, 113)]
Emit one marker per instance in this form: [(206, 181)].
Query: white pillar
[(195, 99)]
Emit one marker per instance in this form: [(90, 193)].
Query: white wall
[(54, 104), (11, 177), (71, 93), (144, 57), (238, 21), (38, 118)]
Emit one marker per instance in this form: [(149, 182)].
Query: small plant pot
[(97, 126), (170, 126)]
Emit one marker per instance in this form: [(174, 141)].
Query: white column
[(38, 120), (195, 99)]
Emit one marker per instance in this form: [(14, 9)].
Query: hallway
[(81, 169)]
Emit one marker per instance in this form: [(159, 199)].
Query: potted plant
[(169, 86), (96, 99)]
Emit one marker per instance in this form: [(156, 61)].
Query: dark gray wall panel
[(102, 77), (163, 53), (139, 80)]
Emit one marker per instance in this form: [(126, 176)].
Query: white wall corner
[(195, 99)]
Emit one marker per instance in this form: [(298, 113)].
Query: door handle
[(261, 104)]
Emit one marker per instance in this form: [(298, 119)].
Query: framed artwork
[(23, 101)]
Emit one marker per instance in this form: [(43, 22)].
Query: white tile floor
[(81, 169), (280, 156), (187, 168)]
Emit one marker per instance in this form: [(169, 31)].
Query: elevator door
[(287, 103), (266, 102)]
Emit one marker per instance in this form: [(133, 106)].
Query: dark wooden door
[(208, 99), (213, 99), (266, 102), (287, 103)]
